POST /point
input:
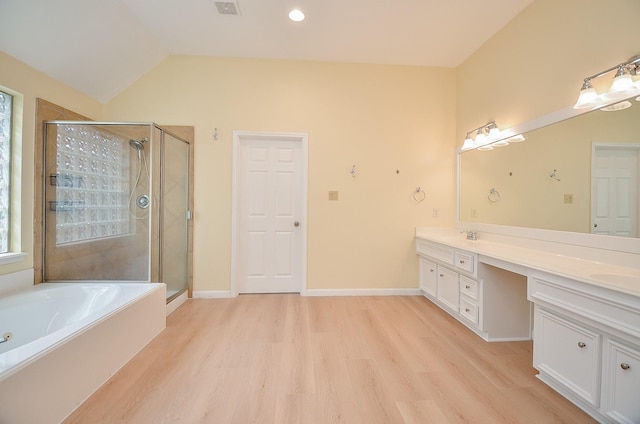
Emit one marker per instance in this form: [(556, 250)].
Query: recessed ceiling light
[(296, 15)]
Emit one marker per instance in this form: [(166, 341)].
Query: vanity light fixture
[(489, 136), (516, 138), (486, 136), (623, 85)]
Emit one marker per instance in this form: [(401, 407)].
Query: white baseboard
[(222, 294), (362, 292), (173, 305), (212, 294)]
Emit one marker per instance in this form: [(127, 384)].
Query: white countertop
[(615, 277)]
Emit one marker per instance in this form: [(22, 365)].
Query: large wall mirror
[(578, 175)]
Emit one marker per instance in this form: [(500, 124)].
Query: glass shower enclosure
[(116, 204)]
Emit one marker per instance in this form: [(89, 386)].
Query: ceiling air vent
[(227, 7)]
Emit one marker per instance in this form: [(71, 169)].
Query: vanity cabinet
[(623, 382), (428, 277), (469, 299), (447, 288), (490, 301), (586, 345)]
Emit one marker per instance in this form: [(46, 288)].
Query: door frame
[(238, 137)]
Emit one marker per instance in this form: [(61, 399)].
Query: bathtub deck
[(292, 359)]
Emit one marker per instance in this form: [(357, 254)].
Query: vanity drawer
[(607, 307), (469, 287), (469, 310), (437, 251), (465, 261)]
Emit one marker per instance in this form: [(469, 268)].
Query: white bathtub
[(67, 340)]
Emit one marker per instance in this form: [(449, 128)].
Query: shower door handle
[(296, 223)]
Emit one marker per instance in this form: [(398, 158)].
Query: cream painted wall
[(535, 65), (31, 84), (382, 119)]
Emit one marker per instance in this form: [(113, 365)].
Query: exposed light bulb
[(296, 15)]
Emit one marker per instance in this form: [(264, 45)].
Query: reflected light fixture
[(487, 137), (296, 15), (623, 85)]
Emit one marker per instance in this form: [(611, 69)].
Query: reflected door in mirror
[(615, 190)]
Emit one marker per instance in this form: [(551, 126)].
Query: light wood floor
[(292, 359)]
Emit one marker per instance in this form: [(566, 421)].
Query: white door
[(614, 201), (269, 224)]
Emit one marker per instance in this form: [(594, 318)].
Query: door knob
[(296, 224), (595, 225)]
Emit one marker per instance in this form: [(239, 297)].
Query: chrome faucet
[(471, 235)]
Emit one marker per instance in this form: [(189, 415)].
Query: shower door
[(175, 215)]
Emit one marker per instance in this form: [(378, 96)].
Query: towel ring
[(419, 195), (494, 195)]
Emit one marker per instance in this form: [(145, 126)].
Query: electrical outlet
[(333, 195), (474, 213), (436, 212), (568, 198)]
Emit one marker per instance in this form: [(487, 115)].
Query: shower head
[(137, 144)]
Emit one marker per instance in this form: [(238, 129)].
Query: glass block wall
[(92, 184), (6, 101)]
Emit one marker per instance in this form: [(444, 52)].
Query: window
[(6, 131)]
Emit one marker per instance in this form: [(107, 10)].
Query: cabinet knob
[(442, 275), (467, 287), (582, 345), (461, 262), (431, 270), (625, 366), (467, 310)]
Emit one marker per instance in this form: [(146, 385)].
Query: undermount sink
[(617, 278)]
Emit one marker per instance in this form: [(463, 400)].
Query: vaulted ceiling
[(100, 47)]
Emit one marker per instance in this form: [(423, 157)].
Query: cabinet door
[(623, 382), (448, 288), (428, 276), (569, 353)]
